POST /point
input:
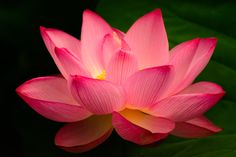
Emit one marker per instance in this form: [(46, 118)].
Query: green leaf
[(185, 20)]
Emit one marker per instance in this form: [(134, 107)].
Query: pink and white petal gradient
[(189, 59), (50, 97), (70, 64), (94, 29), (121, 66), (189, 103), (130, 81), (84, 135), (148, 40), (147, 86), (97, 96)]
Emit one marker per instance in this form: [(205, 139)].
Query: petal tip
[(88, 13), (42, 28), (157, 11)]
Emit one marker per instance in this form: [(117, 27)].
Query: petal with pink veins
[(70, 64), (148, 122), (97, 96), (189, 63), (50, 97), (189, 103), (84, 135), (94, 29), (57, 38), (147, 86), (120, 67), (181, 58), (110, 47), (195, 128), (148, 40), (112, 44), (134, 133)]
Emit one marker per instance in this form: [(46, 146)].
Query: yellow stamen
[(102, 76)]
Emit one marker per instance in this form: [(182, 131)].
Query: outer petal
[(50, 97), (191, 102), (94, 29), (148, 40), (195, 61), (181, 58), (134, 133), (148, 122), (195, 128), (97, 96), (70, 64), (84, 135), (121, 66), (57, 38), (147, 86)]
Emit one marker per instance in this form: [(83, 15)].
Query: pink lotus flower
[(130, 82)]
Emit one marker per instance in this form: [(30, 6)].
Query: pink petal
[(109, 48), (97, 96), (148, 122), (94, 29), (112, 44), (181, 58), (194, 61), (134, 133), (121, 66), (57, 38), (70, 64), (147, 86), (189, 103), (50, 97), (195, 128), (148, 40), (84, 135)]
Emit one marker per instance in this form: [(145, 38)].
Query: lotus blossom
[(130, 82)]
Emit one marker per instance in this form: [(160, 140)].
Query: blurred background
[(24, 133)]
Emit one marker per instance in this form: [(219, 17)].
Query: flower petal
[(109, 48), (57, 38), (134, 133), (112, 44), (189, 103), (84, 135), (181, 58), (97, 96), (189, 63), (195, 128), (50, 97), (148, 40), (94, 29), (70, 64), (121, 66), (147, 86), (148, 122)]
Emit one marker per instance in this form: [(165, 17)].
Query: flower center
[(102, 75)]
